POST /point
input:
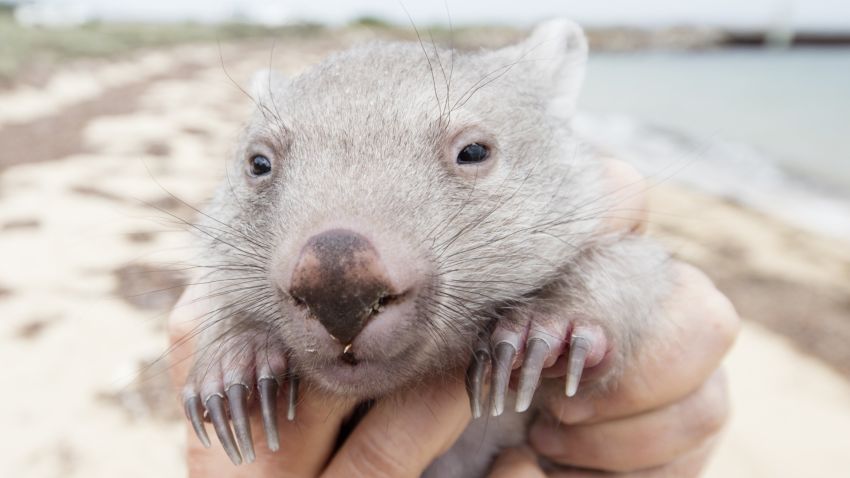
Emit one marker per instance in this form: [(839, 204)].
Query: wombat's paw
[(528, 344), (220, 389)]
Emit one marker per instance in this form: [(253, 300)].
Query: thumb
[(627, 191), (516, 463), (402, 435)]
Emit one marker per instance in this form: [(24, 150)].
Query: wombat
[(401, 211)]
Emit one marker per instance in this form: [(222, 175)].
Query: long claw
[(535, 354), (505, 354), (579, 347), (237, 398), (268, 407), (475, 379), (218, 415), (194, 413), (293, 397)]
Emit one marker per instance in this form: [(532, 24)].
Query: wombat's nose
[(340, 278)]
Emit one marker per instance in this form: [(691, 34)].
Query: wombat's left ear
[(265, 85), (558, 52)]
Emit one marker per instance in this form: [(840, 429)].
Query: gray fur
[(365, 137)]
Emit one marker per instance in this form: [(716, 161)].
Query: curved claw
[(194, 413), (579, 348), (535, 354), (268, 406), (293, 397), (502, 366), (218, 415), (475, 379), (237, 398)]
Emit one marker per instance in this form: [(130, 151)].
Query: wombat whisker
[(225, 267), (269, 82), (203, 230), (203, 325), (239, 233), (440, 333), (444, 246), (233, 289), (484, 81), (451, 56), (643, 186), (214, 315), (479, 312), (445, 223), (444, 112), (489, 292), (501, 202), (224, 339), (211, 317), (481, 83), (182, 285), (481, 220), (525, 285), (459, 307), (427, 57), (433, 234), (259, 105)]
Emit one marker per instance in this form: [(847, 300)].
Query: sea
[(768, 128)]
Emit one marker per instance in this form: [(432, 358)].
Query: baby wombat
[(401, 211)]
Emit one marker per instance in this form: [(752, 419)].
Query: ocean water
[(769, 128)]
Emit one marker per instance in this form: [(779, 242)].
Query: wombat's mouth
[(347, 356), (362, 379)]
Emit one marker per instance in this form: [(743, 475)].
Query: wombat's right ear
[(266, 84), (557, 51)]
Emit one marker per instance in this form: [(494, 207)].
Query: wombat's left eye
[(260, 165), (473, 153)]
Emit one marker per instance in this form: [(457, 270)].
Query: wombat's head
[(397, 197)]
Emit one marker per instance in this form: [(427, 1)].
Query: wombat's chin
[(365, 380)]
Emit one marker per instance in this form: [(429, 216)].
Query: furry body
[(367, 141)]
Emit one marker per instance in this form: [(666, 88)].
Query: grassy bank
[(25, 48)]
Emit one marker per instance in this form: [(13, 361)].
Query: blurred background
[(111, 111)]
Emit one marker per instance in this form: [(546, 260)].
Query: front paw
[(220, 389), (525, 344)]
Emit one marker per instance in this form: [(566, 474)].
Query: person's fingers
[(688, 465), (702, 325), (402, 435), (628, 209), (641, 441), (305, 444), (516, 463)]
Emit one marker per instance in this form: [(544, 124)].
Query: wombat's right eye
[(260, 165), (473, 153)]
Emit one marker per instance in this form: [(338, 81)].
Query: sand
[(89, 231)]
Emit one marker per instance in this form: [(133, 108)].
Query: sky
[(802, 14)]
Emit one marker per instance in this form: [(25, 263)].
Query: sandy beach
[(91, 245)]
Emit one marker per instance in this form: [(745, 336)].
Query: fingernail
[(571, 410)]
